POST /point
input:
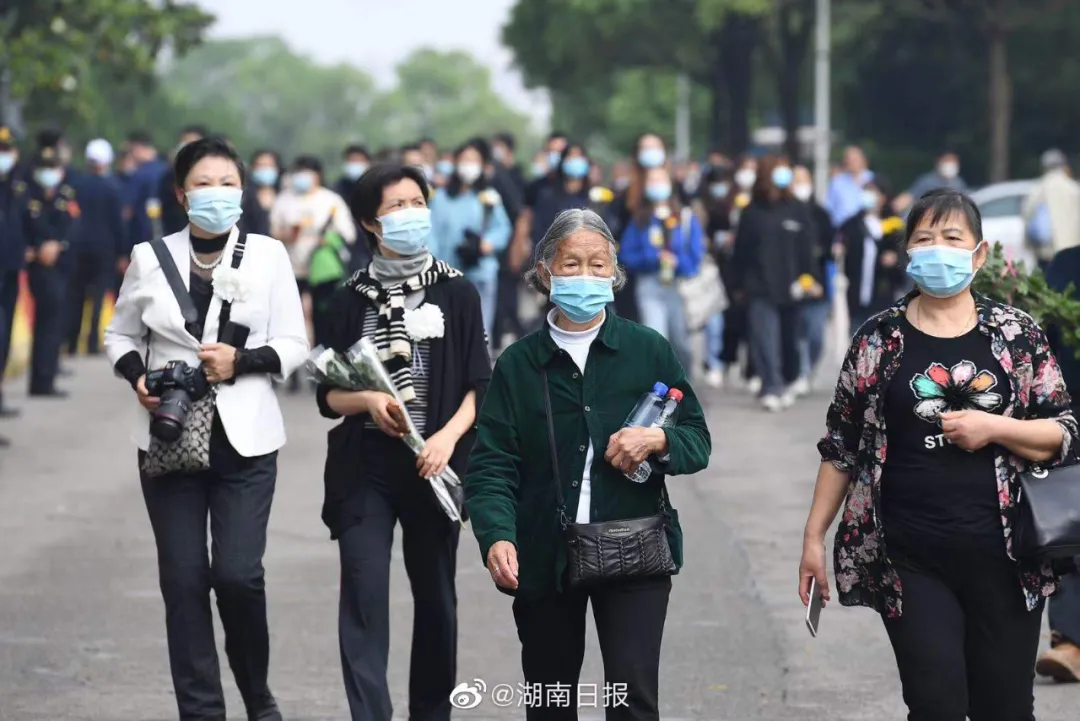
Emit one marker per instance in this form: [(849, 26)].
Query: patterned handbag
[(190, 453)]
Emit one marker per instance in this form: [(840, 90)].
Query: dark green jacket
[(509, 488)]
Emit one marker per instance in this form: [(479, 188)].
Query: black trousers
[(736, 333), (322, 297), (9, 295), (236, 496), (92, 275), (965, 644), (629, 617), (394, 492), (49, 288), (507, 314)]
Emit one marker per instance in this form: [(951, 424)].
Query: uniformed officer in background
[(97, 244), (49, 223), (12, 249)]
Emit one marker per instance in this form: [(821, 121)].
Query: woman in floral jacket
[(964, 394), (425, 319)]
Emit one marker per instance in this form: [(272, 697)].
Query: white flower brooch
[(229, 284), (425, 322)]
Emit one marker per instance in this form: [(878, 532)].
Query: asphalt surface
[(82, 623)]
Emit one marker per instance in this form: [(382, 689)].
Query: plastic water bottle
[(648, 408), (665, 418)]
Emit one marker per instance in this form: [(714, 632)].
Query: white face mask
[(949, 169), (469, 172), (746, 178), (802, 191)]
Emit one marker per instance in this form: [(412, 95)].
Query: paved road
[(81, 621)]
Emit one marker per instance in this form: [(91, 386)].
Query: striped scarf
[(391, 339)]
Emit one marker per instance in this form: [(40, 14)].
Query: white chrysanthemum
[(229, 285), (425, 322)]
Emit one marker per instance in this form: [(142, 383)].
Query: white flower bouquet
[(360, 369)]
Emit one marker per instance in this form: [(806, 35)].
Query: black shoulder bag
[(611, 550), (190, 453), (1048, 522)]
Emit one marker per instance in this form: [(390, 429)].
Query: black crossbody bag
[(1048, 508), (190, 453), (611, 550)]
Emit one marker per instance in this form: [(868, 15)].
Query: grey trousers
[(1065, 608)]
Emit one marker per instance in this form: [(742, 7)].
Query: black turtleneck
[(248, 360)]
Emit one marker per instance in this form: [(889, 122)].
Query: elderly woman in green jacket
[(597, 366)]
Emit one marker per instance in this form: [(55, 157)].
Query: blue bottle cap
[(660, 389)]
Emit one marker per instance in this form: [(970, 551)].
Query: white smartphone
[(813, 610)]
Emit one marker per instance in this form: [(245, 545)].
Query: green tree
[(572, 47), (51, 50), (447, 96)]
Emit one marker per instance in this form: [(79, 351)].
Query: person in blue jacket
[(470, 227), (662, 244), (1062, 660)]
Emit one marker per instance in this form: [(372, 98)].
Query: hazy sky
[(376, 34)]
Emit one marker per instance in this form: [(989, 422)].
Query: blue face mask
[(445, 168), (658, 193), (302, 182), (215, 210), (869, 200), (782, 177), (406, 231), (7, 162), (942, 271), (265, 176), (581, 297), (48, 178), (353, 171), (554, 158), (651, 157), (576, 167), (719, 190)]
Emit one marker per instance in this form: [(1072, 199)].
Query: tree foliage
[(52, 50), (263, 95)]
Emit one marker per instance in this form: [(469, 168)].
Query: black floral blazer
[(855, 442)]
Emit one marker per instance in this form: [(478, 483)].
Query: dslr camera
[(179, 386)]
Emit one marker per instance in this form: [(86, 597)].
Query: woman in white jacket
[(205, 319)]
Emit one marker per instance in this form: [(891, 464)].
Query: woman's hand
[(813, 566), (387, 413), (630, 446), (502, 564), (971, 430), (148, 401), (436, 454), (219, 361)]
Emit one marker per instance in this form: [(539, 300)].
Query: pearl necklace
[(205, 266)]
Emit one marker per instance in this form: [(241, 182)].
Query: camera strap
[(226, 306), (176, 283)]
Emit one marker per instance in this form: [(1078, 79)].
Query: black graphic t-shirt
[(934, 491)]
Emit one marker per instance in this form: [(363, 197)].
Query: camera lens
[(170, 417)]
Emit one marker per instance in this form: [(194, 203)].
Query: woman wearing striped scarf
[(424, 317)]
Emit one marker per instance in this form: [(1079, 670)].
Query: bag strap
[(564, 520), (226, 306), (176, 283)]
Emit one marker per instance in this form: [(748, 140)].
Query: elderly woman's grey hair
[(566, 224)]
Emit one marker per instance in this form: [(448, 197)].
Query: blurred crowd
[(744, 250)]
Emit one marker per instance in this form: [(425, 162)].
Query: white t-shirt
[(311, 213), (577, 344)]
